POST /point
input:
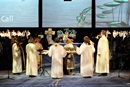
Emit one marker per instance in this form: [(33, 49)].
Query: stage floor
[(112, 80)]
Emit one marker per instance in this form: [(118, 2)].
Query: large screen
[(18, 13), (60, 13), (112, 13)]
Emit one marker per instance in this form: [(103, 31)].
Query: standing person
[(17, 57), (39, 48), (102, 63), (57, 52), (69, 61), (22, 54), (86, 51), (31, 65)]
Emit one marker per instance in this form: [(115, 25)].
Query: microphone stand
[(121, 63), (8, 77), (8, 65)]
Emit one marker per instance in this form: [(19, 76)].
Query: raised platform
[(112, 80)]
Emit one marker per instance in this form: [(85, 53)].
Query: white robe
[(31, 65), (86, 59), (17, 59), (102, 62), (57, 52)]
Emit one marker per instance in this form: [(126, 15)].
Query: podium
[(42, 67)]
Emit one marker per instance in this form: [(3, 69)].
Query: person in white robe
[(18, 33), (102, 63), (2, 34), (8, 34), (57, 53), (86, 51), (17, 57), (27, 33), (13, 33), (39, 48), (31, 59)]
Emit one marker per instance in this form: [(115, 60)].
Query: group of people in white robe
[(33, 58), (86, 50), (57, 52), (9, 33)]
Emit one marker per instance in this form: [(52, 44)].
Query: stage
[(116, 78), (44, 80)]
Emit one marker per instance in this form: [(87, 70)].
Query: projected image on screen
[(112, 13), (60, 13), (18, 13)]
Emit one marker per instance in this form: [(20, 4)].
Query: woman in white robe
[(86, 51), (31, 63), (17, 57), (57, 52), (102, 63)]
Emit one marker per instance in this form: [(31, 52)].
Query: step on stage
[(111, 80)]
